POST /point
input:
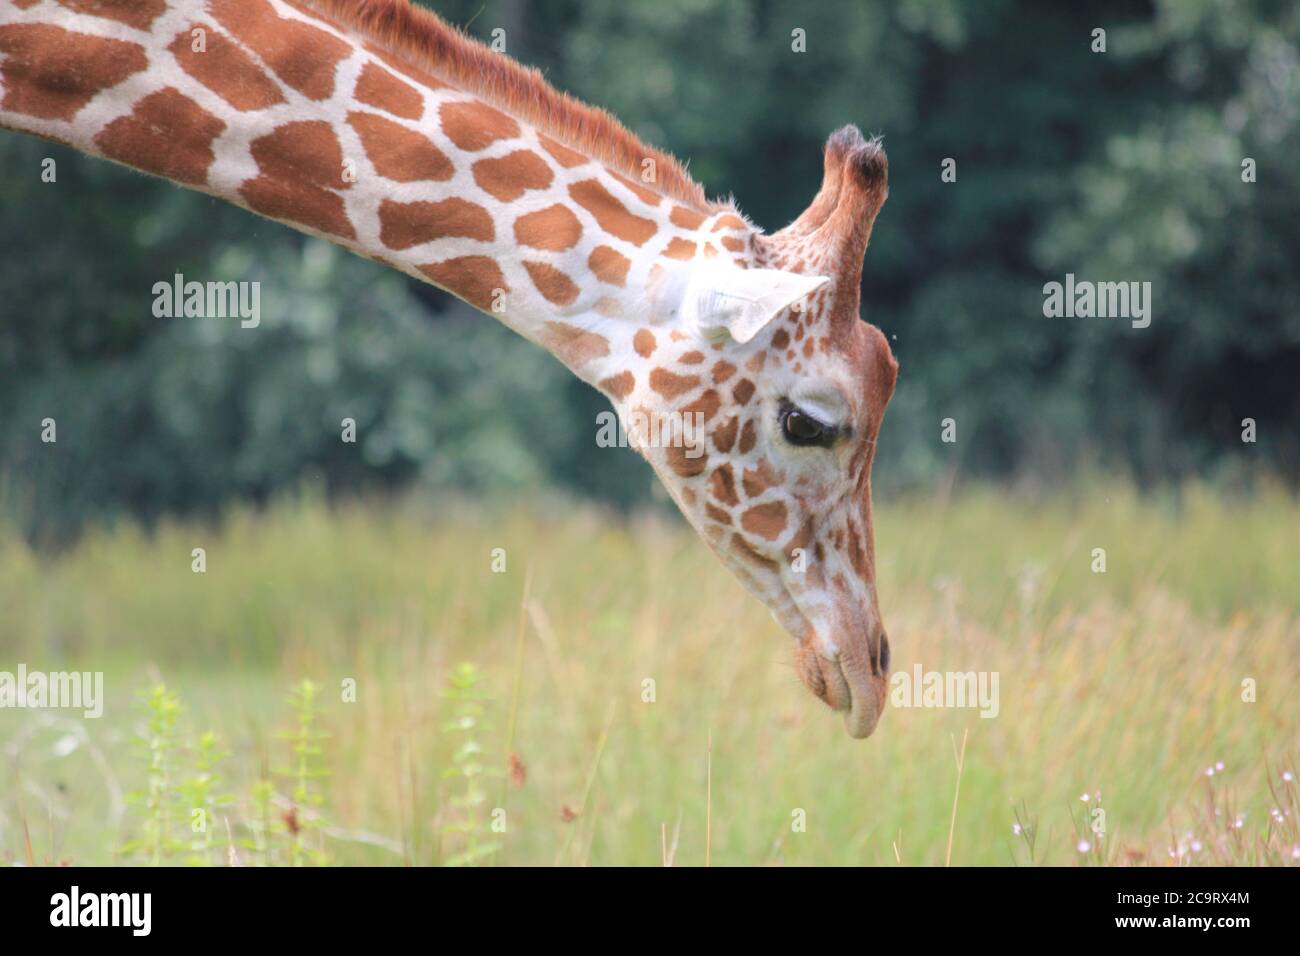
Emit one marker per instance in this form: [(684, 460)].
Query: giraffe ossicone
[(374, 125)]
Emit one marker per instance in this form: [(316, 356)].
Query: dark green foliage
[(1117, 166)]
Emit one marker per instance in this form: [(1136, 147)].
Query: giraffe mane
[(424, 40)]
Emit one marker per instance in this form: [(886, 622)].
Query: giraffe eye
[(800, 428)]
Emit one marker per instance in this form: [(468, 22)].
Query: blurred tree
[(1123, 165)]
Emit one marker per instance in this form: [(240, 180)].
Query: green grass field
[(1125, 686)]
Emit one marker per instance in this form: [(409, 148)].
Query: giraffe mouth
[(847, 681), (856, 693), (863, 712)]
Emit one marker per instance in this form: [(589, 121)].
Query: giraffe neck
[(304, 118)]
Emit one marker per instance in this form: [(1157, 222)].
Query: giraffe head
[(765, 348)]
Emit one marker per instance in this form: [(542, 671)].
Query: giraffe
[(375, 125)]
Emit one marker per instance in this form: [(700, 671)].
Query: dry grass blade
[(952, 822)]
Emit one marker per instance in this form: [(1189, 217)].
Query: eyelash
[(824, 440)]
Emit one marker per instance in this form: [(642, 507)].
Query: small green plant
[(1089, 823), (261, 825), (181, 791), (170, 791), (198, 792), (467, 768), (302, 820), (1025, 829), (162, 711)]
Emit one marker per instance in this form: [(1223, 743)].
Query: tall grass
[(1126, 686)]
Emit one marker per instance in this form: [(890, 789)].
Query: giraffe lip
[(861, 716), (852, 691)]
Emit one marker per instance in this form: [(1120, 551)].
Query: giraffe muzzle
[(866, 699), (847, 684)]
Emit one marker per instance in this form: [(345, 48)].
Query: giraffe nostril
[(883, 656)]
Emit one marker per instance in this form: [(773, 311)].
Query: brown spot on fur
[(378, 88), (728, 221), (303, 151), (609, 307), (722, 485), (398, 153), (473, 278), (724, 436), (134, 13), (743, 391), (473, 125), (757, 480), (566, 157), (609, 265), (555, 228), (295, 201), (680, 249), (302, 55), (644, 342), (780, 339), (647, 196), (800, 540), (553, 284), (51, 73), (406, 224), (743, 548), (226, 70), (670, 384), (409, 70), (765, 520), (748, 437), (691, 358), (684, 218), (706, 405), (732, 244), (716, 513), (722, 370), (680, 462), (857, 553), (612, 215), (756, 362), (166, 134), (508, 177), (620, 385)]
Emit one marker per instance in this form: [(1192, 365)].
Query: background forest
[(1123, 166)]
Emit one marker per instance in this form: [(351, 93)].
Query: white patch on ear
[(727, 300)]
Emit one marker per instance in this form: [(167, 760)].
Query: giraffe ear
[(740, 302)]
